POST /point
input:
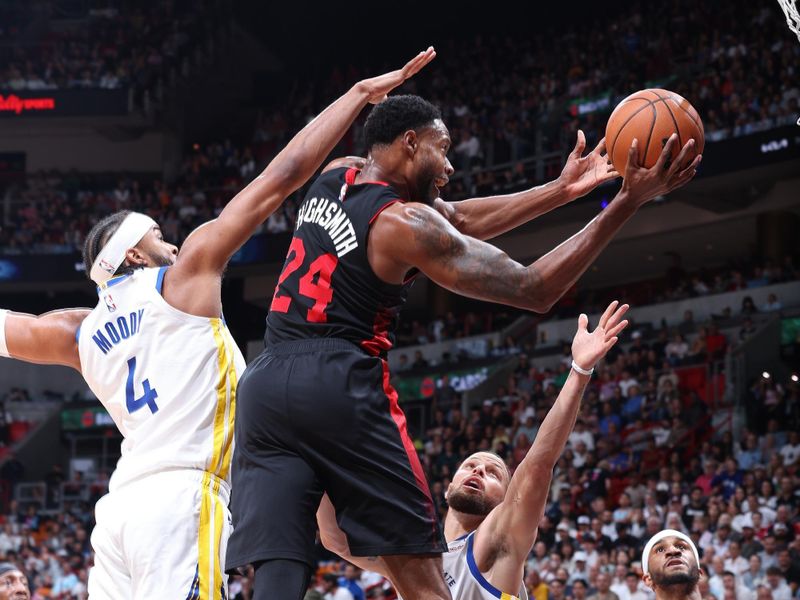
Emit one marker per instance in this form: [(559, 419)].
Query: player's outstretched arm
[(209, 248), (485, 218), (334, 540), (506, 536), (47, 339), (416, 235)]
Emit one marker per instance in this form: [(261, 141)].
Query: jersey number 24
[(320, 290)]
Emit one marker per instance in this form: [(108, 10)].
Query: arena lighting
[(765, 375), (795, 378)]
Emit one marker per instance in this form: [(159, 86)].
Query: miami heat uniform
[(168, 379), (316, 410)]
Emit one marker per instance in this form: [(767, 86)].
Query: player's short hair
[(98, 237), (396, 115)]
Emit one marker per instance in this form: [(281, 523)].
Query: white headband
[(129, 233), (660, 536)]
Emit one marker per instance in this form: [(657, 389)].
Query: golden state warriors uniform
[(463, 577), (168, 379)]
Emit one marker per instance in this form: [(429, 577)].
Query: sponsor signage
[(62, 103)]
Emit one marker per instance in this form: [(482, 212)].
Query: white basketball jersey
[(167, 378), (463, 577)]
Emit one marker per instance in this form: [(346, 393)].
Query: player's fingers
[(616, 330), (420, 60), (607, 314), (583, 322), (615, 318), (601, 147), (666, 152), (678, 163), (580, 145), (610, 343), (633, 156), (610, 174)]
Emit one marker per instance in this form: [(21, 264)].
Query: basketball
[(652, 116)]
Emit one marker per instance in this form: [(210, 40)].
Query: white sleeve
[(3, 346)]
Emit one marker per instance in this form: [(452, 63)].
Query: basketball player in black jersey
[(316, 411)]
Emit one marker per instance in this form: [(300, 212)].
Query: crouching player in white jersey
[(493, 517), (156, 352)]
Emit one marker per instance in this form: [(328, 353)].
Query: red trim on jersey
[(350, 178), (399, 417), (379, 343), (383, 208)]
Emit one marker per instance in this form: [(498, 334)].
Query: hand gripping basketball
[(643, 184)]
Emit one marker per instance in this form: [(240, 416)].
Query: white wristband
[(581, 370), (3, 346)]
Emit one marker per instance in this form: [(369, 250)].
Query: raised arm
[(485, 218), (48, 339), (415, 235), (506, 536), (210, 247)]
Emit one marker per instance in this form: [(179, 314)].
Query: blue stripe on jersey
[(115, 280), (194, 591), (160, 279), (78, 335), (476, 573)]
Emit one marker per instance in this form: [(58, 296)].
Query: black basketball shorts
[(316, 416)]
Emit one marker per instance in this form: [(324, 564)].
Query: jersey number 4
[(148, 397), (318, 290)]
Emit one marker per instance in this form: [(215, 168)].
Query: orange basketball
[(651, 116)]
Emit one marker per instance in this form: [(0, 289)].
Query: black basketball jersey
[(327, 287)]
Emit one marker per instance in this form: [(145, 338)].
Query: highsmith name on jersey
[(167, 378)]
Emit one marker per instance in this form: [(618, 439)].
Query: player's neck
[(458, 524), (678, 592), (381, 168)]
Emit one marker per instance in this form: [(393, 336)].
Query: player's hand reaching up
[(666, 175), (377, 87), (588, 348), (582, 174)]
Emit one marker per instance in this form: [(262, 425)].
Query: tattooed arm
[(416, 235), (410, 235)]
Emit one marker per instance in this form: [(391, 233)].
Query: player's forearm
[(485, 218), (559, 269), (303, 155), (557, 425), (334, 539)]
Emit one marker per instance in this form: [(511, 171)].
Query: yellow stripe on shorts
[(212, 512), (223, 415)]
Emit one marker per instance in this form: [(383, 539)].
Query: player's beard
[(689, 579), (469, 504), (159, 260)]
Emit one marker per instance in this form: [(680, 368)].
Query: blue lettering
[(112, 333), (102, 342), (123, 328)]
